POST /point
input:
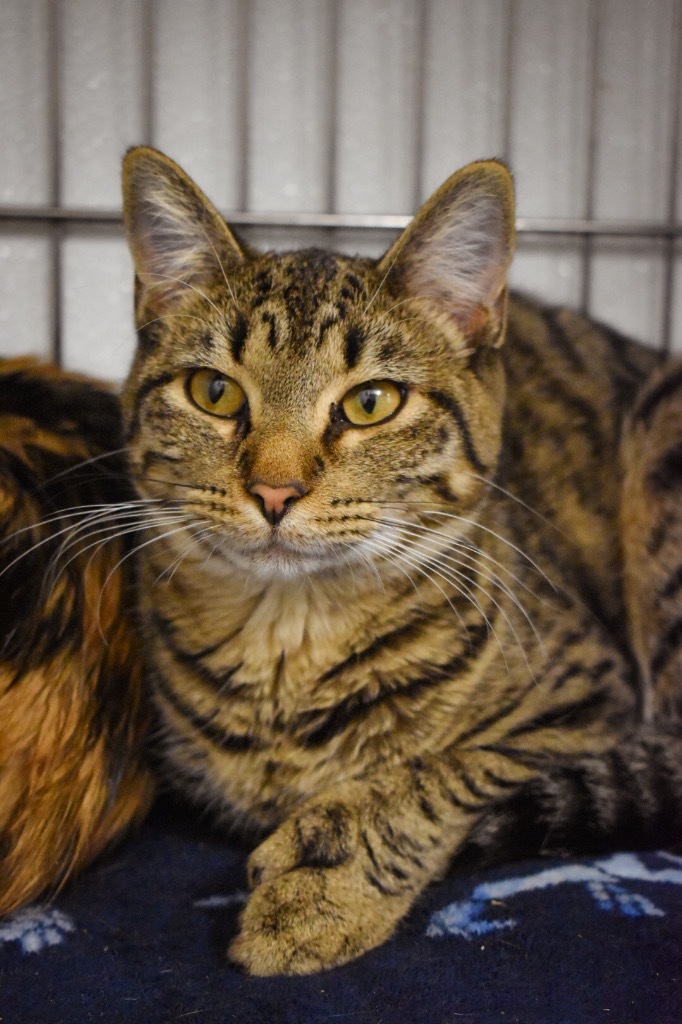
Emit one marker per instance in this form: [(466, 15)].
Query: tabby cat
[(429, 585), (71, 702), (411, 581)]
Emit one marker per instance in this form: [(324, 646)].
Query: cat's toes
[(307, 921), (324, 835), (317, 901)]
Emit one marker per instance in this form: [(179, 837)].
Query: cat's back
[(571, 382), (572, 354)]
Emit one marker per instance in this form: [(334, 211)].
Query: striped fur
[(72, 724), (452, 633)]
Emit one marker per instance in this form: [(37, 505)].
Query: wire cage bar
[(56, 216)]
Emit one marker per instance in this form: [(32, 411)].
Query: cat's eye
[(372, 402), (215, 393)]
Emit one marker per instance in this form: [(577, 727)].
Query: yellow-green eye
[(372, 402), (215, 393)]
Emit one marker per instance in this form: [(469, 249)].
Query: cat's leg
[(651, 529), (335, 879)]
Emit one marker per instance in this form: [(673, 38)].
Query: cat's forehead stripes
[(237, 335), (355, 338), (300, 297)]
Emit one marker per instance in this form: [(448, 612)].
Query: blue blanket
[(141, 937)]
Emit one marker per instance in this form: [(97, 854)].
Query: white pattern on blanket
[(35, 928), (602, 879), (38, 927)]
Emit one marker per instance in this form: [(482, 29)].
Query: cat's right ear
[(177, 238)]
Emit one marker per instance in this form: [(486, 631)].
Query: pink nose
[(275, 501)]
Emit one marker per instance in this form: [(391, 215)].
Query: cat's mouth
[(278, 557)]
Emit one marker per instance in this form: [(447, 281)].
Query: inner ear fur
[(176, 236), (454, 256)]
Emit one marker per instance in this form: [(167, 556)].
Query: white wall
[(346, 106)]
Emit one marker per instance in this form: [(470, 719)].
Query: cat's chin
[(278, 562)]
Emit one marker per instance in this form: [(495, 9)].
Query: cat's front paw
[(311, 919), (324, 892)]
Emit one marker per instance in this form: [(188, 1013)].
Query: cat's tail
[(628, 798)]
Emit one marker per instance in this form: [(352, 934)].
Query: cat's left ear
[(455, 254), (177, 238)]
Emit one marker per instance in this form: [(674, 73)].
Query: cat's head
[(302, 406)]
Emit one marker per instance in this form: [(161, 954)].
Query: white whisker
[(119, 515), (195, 541), (105, 509), (74, 510), (463, 544), (186, 284), (364, 555), (381, 284), (220, 264), (429, 545), (169, 316), (416, 564), (441, 561), (519, 501), (459, 582), (86, 462), (425, 509), (106, 535), (134, 551), (372, 546)]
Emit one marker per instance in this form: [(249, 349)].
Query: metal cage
[(328, 122)]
